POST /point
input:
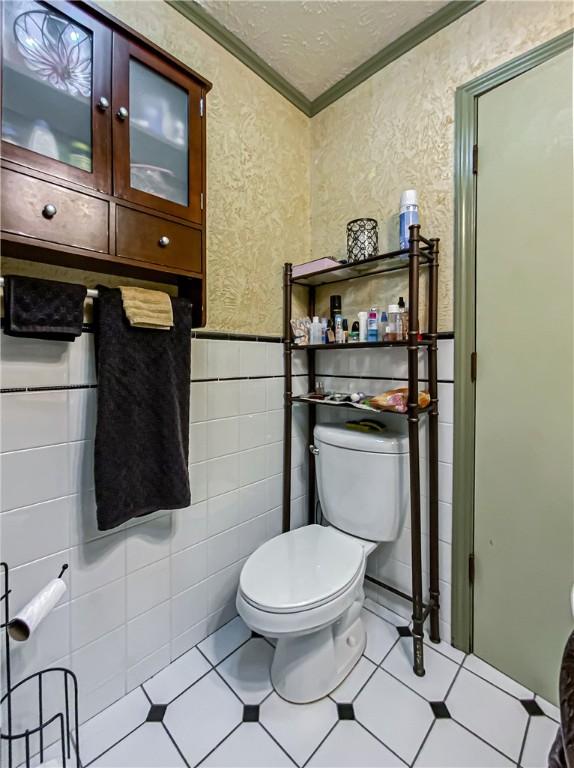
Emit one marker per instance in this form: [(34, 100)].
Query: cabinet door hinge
[(473, 366), (471, 569), (201, 201), (201, 107), (475, 159)]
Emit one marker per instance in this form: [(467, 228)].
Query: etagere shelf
[(421, 253)]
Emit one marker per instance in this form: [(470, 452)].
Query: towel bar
[(91, 294)]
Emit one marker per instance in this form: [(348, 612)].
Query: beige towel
[(147, 309)]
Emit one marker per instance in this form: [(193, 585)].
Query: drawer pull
[(49, 211), (103, 104), (122, 113), (164, 241)]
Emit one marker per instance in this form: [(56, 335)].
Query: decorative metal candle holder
[(362, 239)]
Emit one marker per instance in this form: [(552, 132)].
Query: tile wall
[(372, 372), (143, 594)]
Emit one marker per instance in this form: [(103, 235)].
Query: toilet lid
[(301, 569)]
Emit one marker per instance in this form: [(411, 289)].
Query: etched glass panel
[(47, 83)]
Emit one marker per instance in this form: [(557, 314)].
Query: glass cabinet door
[(157, 133), (56, 90)]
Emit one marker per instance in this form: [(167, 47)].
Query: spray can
[(409, 214)]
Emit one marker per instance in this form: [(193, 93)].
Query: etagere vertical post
[(422, 252)]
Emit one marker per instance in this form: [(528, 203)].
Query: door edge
[(466, 134)]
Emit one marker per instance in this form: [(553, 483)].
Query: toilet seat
[(301, 570)]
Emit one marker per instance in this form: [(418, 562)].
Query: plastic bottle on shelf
[(339, 335), (395, 333), (363, 326), (324, 330), (372, 325), (409, 214), (404, 324), (382, 326), (316, 334)]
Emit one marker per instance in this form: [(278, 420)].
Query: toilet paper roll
[(26, 621)]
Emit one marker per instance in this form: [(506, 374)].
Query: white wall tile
[(82, 413), (188, 608), (274, 394), (148, 587), (148, 667), (222, 587), (198, 404), (189, 526), (274, 456), (147, 633), (198, 442), (222, 359), (274, 359), (222, 399), (199, 359), (198, 482), (252, 501), (96, 563), (274, 426), (82, 360), (21, 543), (252, 466), (252, 534), (222, 475), (31, 362), (252, 431), (49, 468), (97, 613), (81, 465), (148, 542), (188, 567), (222, 437), (33, 419), (252, 396), (252, 359), (222, 550), (101, 660), (222, 512)]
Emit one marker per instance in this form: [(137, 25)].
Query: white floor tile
[(223, 642), (549, 709), (248, 670), (381, 636), (352, 684), (539, 738), (446, 649), (148, 747), (178, 676), (202, 716), (489, 712), (449, 745), (494, 676), (115, 722), (349, 745), (248, 747), (299, 728), (394, 714), (439, 671), (385, 613)]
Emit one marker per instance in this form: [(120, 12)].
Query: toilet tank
[(363, 480)]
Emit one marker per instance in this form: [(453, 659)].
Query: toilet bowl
[(305, 587)]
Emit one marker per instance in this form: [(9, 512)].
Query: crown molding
[(194, 12)]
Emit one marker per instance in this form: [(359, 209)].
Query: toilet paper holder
[(28, 742)]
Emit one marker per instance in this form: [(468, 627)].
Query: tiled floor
[(215, 706)]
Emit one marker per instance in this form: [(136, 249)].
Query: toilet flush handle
[(313, 450)]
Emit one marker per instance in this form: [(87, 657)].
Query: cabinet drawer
[(148, 238), (46, 211)]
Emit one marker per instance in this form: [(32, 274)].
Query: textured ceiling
[(315, 44)]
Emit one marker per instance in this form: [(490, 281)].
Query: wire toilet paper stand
[(65, 721)]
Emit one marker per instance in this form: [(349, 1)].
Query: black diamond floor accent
[(255, 635), (439, 709), (345, 711), (251, 713), (156, 713), (404, 631), (532, 707)]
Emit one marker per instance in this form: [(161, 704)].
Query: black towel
[(142, 433), (43, 309)]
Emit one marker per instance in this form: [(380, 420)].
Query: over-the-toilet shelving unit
[(421, 253)]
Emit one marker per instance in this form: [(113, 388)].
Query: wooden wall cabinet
[(103, 148)]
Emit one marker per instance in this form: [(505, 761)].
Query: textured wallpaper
[(257, 177), (396, 131)]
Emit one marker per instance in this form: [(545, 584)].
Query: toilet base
[(307, 667)]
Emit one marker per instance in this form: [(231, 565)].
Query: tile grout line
[(494, 685), (320, 744), (424, 741), (523, 745), (115, 744), (175, 744), (386, 746), (272, 737)]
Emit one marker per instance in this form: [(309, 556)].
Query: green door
[(524, 505)]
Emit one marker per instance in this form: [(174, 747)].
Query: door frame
[(466, 136)]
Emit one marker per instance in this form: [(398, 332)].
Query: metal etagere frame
[(421, 253), (32, 738)]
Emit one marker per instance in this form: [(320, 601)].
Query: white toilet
[(305, 587)]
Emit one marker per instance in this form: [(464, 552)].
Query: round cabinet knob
[(103, 104), (122, 113), (49, 211), (164, 241)]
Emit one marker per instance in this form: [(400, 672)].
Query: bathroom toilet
[(305, 587)]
